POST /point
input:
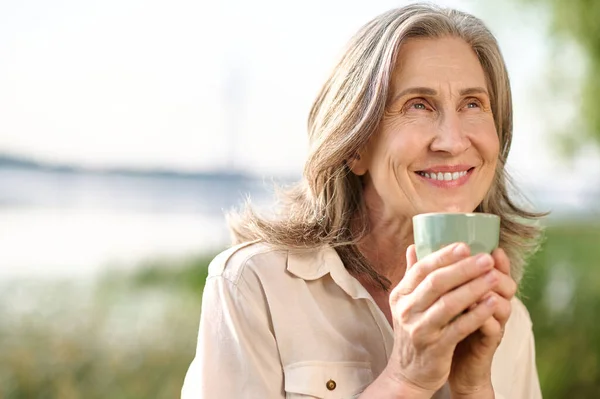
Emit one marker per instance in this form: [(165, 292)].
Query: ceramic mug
[(432, 231)]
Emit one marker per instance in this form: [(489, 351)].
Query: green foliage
[(562, 293), (578, 21), (129, 336), (187, 274)]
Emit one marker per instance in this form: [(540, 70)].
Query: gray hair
[(327, 207)]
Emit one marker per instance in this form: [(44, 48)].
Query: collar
[(313, 264)]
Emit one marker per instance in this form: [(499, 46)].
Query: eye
[(473, 103), (416, 104)]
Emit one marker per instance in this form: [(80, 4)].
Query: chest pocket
[(327, 380)]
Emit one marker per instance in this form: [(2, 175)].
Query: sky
[(199, 85)]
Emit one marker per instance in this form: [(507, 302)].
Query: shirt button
[(331, 385)]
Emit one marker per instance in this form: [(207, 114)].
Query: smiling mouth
[(445, 176)]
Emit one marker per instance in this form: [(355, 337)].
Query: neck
[(386, 251), (386, 243)]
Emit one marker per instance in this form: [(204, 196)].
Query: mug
[(432, 231)]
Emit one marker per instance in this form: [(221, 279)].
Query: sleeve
[(527, 384), (237, 355)]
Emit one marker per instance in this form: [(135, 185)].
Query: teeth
[(444, 176)]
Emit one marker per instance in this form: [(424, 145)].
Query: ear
[(358, 164)]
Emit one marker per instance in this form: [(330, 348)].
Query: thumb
[(411, 256)]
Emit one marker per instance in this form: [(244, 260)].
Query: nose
[(450, 136)]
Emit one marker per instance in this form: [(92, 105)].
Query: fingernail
[(484, 261), (460, 249), (490, 301)]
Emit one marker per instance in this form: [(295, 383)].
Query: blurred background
[(128, 128)]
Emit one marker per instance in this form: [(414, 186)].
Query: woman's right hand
[(425, 307)]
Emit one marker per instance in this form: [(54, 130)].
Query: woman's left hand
[(470, 374)]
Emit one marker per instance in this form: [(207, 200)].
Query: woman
[(328, 300)]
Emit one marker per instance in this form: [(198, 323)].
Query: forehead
[(437, 63)]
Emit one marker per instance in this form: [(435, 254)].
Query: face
[(436, 148)]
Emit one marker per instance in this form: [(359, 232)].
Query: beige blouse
[(282, 324)]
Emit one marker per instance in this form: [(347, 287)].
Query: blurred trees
[(562, 286), (561, 291), (578, 21)]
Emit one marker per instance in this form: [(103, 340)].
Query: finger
[(442, 281), (506, 287), (495, 325), (501, 261), (455, 302), (443, 257), (411, 256), (491, 332), (503, 310), (468, 322)]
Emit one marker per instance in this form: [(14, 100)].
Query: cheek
[(493, 147), (404, 141), (487, 142)]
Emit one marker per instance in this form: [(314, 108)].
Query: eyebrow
[(427, 91), (474, 90)]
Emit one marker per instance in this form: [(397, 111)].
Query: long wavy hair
[(325, 207)]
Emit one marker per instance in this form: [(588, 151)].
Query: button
[(331, 385)]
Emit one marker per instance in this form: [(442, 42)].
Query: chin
[(450, 208)]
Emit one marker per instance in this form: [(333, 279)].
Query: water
[(64, 224)]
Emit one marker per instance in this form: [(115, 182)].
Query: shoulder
[(235, 262)]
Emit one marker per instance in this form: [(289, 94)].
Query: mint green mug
[(432, 231)]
